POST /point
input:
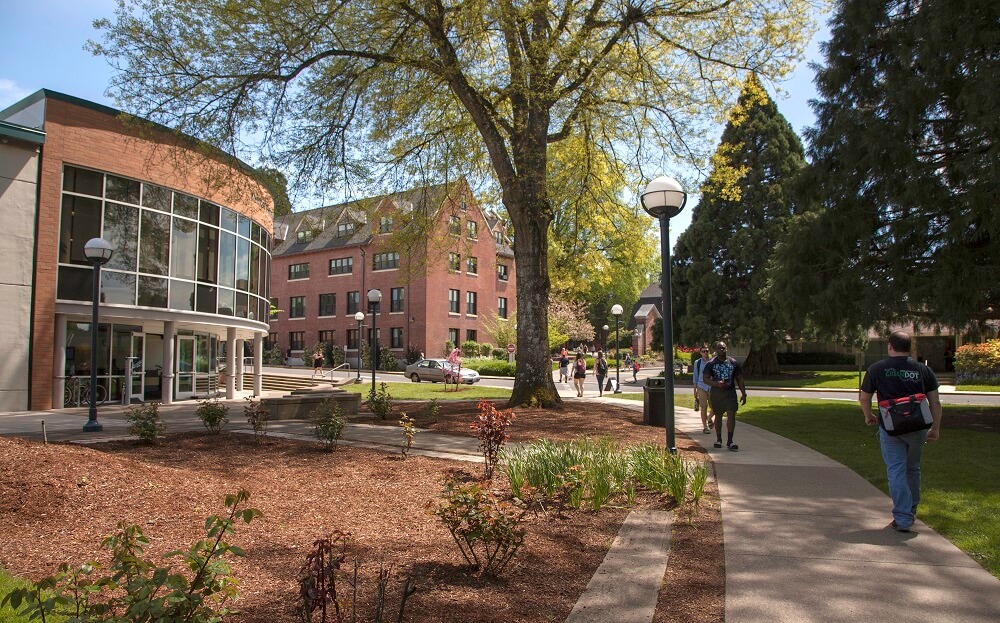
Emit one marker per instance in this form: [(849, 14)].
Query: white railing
[(346, 364)]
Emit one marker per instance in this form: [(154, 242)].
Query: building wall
[(93, 138), (18, 196)]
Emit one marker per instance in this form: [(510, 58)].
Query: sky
[(57, 61)]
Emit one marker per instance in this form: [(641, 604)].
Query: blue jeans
[(902, 466)]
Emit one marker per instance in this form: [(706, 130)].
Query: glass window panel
[(202, 354), (244, 226), (263, 310), (206, 301), (254, 268), (122, 189), (242, 302), (80, 221), (228, 220), (227, 259), (121, 229), (227, 301), (209, 213), (156, 197), (255, 232), (181, 295), (186, 205), (117, 288), (75, 284), (185, 249), (83, 181), (242, 264), (208, 251), (154, 243), (152, 291)]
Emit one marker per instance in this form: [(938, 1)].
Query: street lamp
[(664, 199), (98, 252), (616, 311), (605, 338), (360, 317), (374, 297)]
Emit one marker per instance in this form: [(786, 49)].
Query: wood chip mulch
[(57, 502)]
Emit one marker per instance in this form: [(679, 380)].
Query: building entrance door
[(134, 375), (185, 367)]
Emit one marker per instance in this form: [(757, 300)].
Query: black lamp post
[(616, 311), (374, 297), (98, 252), (664, 199), (605, 338), (360, 317)]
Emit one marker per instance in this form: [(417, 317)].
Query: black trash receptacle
[(654, 400)]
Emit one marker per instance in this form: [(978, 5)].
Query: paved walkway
[(806, 538)]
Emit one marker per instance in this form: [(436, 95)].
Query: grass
[(426, 391), (960, 493), (978, 388), (816, 378), (7, 584)]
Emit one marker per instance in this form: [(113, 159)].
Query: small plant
[(487, 531), (492, 426), (433, 410), (135, 589), (144, 422), (257, 417), (380, 402), (699, 476), (409, 430), (328, 423), (213, 414)]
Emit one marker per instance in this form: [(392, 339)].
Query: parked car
[(435, 370)]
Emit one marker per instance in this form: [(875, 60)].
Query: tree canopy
[(722, 285), (903, 182), (369, 92)]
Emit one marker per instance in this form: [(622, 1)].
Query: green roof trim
[(22, 133)]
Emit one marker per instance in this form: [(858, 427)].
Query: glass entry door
[(185, 367), (136, 374)]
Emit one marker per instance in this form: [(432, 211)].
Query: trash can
[(654, 402)]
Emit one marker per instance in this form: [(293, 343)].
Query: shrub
[(448, 347), (409, 430), (335, 355), (485, 349), (144, 422), (135, 589), (492, 367), (274, 356), (486, 530), (213, 414), (433, 410), (328, 423), (387, 359), (412, 354), (470, 348), (499, 354), (257, 417), (492, 426), (380, 402), (978, 363)]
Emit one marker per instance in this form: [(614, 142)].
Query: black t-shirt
[(723, 370), (898, 377)]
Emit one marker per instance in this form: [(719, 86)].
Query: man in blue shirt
[(701, 389), (910, 385), (723, 374)]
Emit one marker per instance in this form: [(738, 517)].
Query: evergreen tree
[(720, 275), (902, 188)]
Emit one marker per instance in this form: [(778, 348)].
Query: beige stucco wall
[(18, 195)]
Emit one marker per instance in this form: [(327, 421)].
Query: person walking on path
[(909, 414), (563, 367), (579, 374), (701, 390), (722, 374), (600, 371), (635, 370), (317, 363)]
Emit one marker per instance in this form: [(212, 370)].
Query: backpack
[(905, 415), (602, 367)]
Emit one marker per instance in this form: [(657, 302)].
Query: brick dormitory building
[(441, 263)]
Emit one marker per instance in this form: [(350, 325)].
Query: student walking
[(563, 367), (600, 371), (909, 414), (701, 391), (318, 361), (579, 374), (723, 374)]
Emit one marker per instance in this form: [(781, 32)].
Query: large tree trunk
[(762, 361)]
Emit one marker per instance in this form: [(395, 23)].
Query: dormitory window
[(472, 230), (454, 262), (306, 235), (396, 302), (384, 261), (342, 266), (345, 230), (384, 225), (502, 307), (454, 225), (353, 300), (453, 301), (352, 339), (327, 336), (396, 335), (298, 271), (470, 303), (297, 340), (297, 307), (502, 272), (472, 265), (327, 305)]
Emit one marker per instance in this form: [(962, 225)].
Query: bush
[(144, 422), (274, 356), (487, 531), (380, 402), (814, 359), (470, 348), (491, 367), (499, 354), (213, 414), (335, 355), (257, 417), (387, 359), (485, 349), (978, 363), (448, 347), (492, 426), (412, 354), (135, 589), (328, 423), (409, 430)]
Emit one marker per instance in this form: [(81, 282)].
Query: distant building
[(436, 287)]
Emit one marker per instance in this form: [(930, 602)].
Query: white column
[(169, 345), (258, 364), (230, 363), (59, 364), (239, 365)]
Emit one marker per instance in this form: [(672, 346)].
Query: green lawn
[(978, 388), (426, 391), (817, 378), (961, 473), (7, 584)]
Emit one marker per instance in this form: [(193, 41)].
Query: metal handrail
[(346, 364)]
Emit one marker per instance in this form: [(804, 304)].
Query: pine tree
[(720, 276), (903, 220)]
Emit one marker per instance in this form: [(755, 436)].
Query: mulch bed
[(58, 501)]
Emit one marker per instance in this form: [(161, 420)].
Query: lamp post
[(664, 199), (360, 317), (616, 311), (605, 338), (98, 252), (374, 297)]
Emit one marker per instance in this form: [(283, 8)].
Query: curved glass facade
[(172, 250)]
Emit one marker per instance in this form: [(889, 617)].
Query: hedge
[(978, 364)]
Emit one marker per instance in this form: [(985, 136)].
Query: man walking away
[(701, 390), (600, 371), (722, 374), (909, 414)]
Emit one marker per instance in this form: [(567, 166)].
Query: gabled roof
[(645, 311)]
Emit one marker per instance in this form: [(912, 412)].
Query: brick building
[(442, 264)]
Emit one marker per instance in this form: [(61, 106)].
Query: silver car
[(435, 370)]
